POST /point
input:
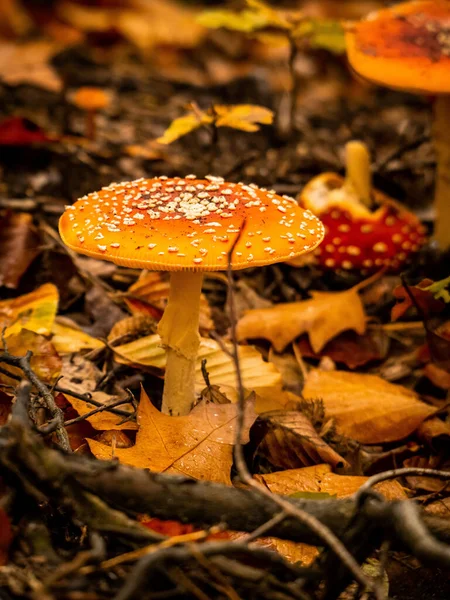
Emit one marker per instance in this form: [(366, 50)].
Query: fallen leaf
[(6, 537), (292, 442), (18, 131), (423, 297), (146, 23), (245, 117), (365, 407), (317, 480), (349, 348), (199, 445), (45, 361), (439, 289), (29, 63), (321, 34), (321, 479), (5, 407), (438, 377), (35, 311), (428, 484), (81, 375), (68, 338), (257, 374), (283, 323), (184, 125), (19, 246)]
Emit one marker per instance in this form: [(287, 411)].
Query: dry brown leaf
[(428, 484), (81, 376), (19, 246), (292, 442), (45, 361), (320, 479), (35, 311), (365, 407), (199, 445), (323, 317), (29, 63)]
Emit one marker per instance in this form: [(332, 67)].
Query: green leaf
[(313, 495), (245, 21), (439, 290), (184, 125), (324, 34)]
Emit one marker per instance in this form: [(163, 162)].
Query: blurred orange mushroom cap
[(91, 98), (406, 46)]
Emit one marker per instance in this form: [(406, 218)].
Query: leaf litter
[(316, 341)]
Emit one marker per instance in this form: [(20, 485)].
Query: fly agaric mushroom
[(407, 47), (91, 100), (355, 236), (187, 226)]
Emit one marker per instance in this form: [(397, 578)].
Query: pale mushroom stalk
[(357, 160), (179, 334), (442, 193)]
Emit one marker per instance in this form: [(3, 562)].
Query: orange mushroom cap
[(189, 224), (91, 98), (406, 46)]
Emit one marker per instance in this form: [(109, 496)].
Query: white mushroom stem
[(442, 189), (178, 330), (357, 159)]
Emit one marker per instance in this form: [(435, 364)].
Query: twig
[(23, 363), (328, 537), (148, 563), (99, 409), (367, 485)]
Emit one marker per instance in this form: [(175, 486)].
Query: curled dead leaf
[(292, 442)]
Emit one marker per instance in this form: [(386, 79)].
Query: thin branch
[(394, 473), (23, 363), (327, 536)]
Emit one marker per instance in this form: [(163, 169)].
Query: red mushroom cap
[(355, 237)]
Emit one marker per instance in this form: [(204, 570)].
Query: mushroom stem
[(442, 191), (357, 159), (178, 330)]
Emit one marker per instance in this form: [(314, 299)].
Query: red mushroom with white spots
[(187, 226), (358, 237)]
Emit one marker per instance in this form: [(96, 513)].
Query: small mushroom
[(355, 236), (91, 100), (187, 226), (407, 47)]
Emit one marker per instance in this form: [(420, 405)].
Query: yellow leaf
[(199, 445), (274, 18), (323, 317), (68, 338), (365, 407), (324, 34), (245, 21), (246, 117), (257, 374), (35, 311), (184, 125), (45, 361)]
